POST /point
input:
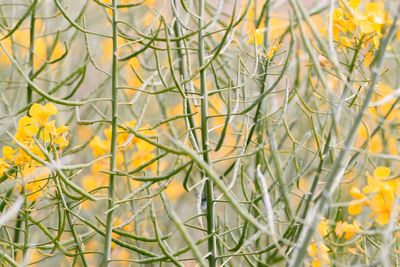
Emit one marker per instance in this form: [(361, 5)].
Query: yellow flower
[(142, 157), (41, 113), (319, 254), (273, 49), (376, 143), (376, 13), (366, 26), (323, 227), (381, 172), (98, 167), (42, 46), (3, 166), (47, 131), (8, 153), (382, 192), (36, 180), (122, 135), (174, 190), (363, 25), (33, 173), (91, 182), (36, 256), (347, 230), (355, 207), (354, 3), (149, 2), (384, 99), (368, 57), (26, 129), (99, 147), (61, 136), (122, 224), (4, 60), (121, 254), (256, 36)]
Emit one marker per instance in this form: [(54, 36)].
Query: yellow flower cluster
[(35, 133), (378, 195), (319, 254), (352, 26), (20, 41), (256, 35), (132, 152), (347, 230), (318, 251), (125, 142), (383, 100)]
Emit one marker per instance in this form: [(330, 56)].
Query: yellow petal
[(323, 228), (377, 203), (354, 208), (8, 153), (28, 126), (312, 250), (339, 229), (35, 110), (256, 37), (382, 218), (356, 193), (366, 26), (368, 57), (381, 172), (354, 3), (50, 109)]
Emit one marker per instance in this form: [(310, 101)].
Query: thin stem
[(183, 69), (113, 149), (31, 54), (204, 142), (29, 100)]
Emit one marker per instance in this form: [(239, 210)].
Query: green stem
[(182, 54), (31, 54), (204, 142), (77, 238), (28, 100), (114, 124)]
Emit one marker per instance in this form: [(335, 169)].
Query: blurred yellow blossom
[(256, 36), (353, 26), (323, 227), (273, 49), (379, 195), (26, 129), (174, 190), (99, 147), (347, 230), (319, 254)]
